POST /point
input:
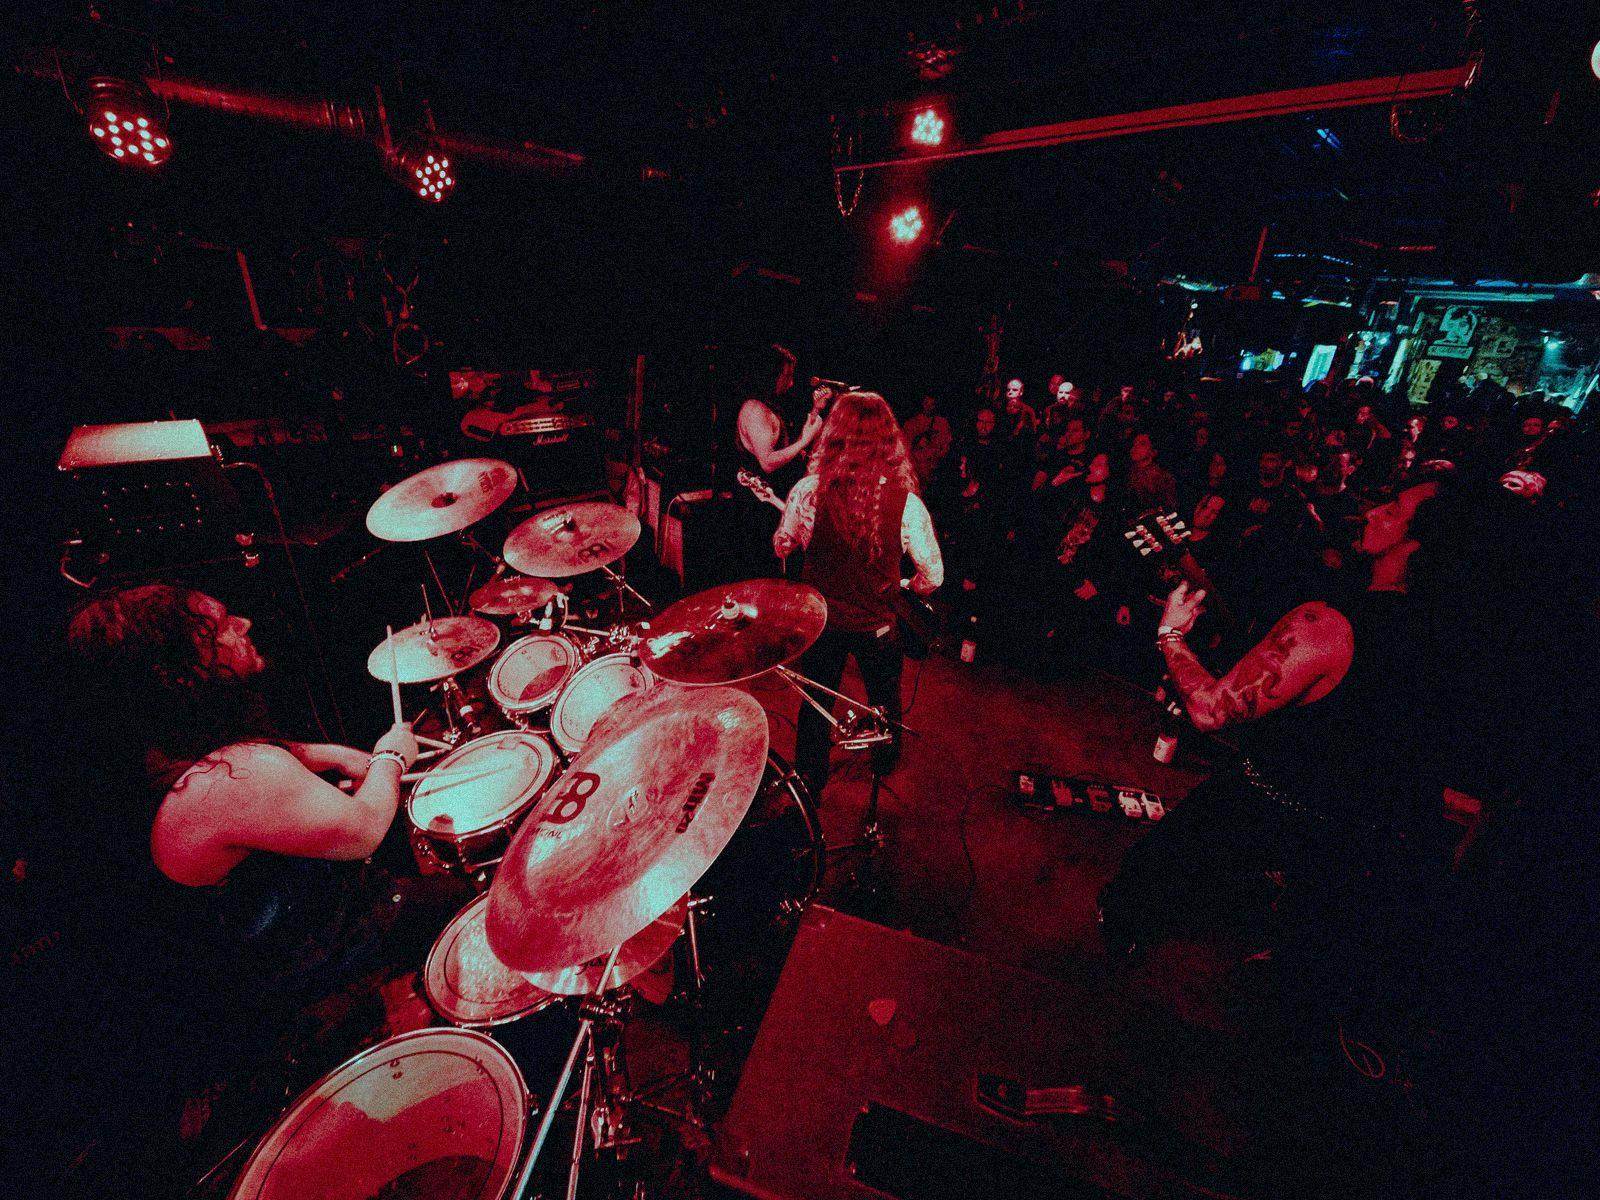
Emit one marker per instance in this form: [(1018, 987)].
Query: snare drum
[(464, 811), (435, 1112), (467, 985), (529, 675), (592, 692)]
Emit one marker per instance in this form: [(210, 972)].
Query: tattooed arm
[(1300, 661)]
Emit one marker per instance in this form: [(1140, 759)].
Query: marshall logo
[(697, 796)]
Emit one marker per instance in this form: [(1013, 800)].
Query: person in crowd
[(1068, 462), (1149, 484), (1022, 423), (928, 435), (1089, 577), (857, 512), (1064, 404)]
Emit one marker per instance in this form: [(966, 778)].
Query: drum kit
[(630, 791)]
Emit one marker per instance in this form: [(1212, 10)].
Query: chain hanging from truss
[(1403, 115), (850, 148)]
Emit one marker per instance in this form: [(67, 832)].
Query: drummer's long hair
[(139, 650), (860, 452)]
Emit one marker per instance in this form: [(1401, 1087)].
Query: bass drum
[(437, 1112), (769, 873)]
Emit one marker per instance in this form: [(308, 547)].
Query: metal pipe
[(342, 118), (1387, 89)]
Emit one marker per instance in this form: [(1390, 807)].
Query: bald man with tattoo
[(1327, 712)]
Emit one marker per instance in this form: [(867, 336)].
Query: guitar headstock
[(1157, 532)]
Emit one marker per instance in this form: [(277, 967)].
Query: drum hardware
[(863, 727), (594, 1009), (624, 590)]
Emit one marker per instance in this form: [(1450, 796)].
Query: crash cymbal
[(511, 595), (639, 953), (429, 651), (445, 498), (734, 632), (571, 539), (643, 810)]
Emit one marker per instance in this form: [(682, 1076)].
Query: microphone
[(836, 385)]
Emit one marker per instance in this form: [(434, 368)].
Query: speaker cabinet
[(865, 1076)]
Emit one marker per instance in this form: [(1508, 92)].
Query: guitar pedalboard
[(1041, 791)]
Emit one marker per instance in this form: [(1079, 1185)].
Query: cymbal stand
[(594, 1008), (863, 727), (461, 703), (449, 608), (624, 590), (698, 1075)]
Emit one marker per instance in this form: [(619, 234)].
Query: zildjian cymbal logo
[(697, 797)]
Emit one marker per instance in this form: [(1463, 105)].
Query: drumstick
[(412, 776), (434, 742), (394, 677)]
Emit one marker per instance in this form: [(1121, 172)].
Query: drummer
[(257, 878), (251, 898)]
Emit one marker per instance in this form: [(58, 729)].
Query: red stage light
[(423, 168), (132, 127), (906, 226), (927, 128)]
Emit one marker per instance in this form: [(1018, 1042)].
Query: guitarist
[(1331, 714), (857, 513), (768, 452)]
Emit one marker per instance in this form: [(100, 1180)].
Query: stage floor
[(1191, 1028)]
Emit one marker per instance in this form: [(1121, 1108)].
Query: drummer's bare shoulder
[(260, 796)]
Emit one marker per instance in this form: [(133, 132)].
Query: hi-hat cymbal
[(445, 498), (734, 632), (639, 953), (571, 539), (430, 651), (640, 814), (511, 595)]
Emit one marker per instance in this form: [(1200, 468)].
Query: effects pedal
[(1040, 790)]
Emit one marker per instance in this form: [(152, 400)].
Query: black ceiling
[(738, 100)]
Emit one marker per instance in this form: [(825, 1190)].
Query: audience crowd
[(1270, 484)]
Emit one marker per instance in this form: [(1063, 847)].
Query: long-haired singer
[(856, 512)]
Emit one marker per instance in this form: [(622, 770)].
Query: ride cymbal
[(445, 498), (571, 539)]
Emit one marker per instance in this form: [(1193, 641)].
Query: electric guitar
[(1160, 538), (760, 489)]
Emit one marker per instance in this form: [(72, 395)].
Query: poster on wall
[(1457, 326), (1422, 380)]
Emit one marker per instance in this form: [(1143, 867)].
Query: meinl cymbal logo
[(697, 796)]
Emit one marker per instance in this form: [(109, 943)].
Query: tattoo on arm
[(1301, 651)]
